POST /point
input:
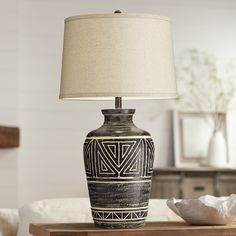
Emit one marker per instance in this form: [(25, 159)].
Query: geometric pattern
[(118, 158), (119, 215), (119, 171)]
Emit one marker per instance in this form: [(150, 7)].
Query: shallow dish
[(206, 210)]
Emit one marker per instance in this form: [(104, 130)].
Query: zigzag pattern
[(119, 158), (119, 215)]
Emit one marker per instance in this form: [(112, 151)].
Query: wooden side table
[(151, 229)]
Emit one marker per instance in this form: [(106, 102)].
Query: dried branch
[(202, 88)]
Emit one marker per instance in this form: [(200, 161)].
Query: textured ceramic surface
[(207, 210), (118, 160)]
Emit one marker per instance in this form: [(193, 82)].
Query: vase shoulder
[(118, 122), (123, 131)]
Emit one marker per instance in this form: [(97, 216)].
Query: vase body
[(118, 160), (217, 150)]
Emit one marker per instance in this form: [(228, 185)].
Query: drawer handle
[(199, 188)]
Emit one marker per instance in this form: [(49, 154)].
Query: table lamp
[(115, 56)]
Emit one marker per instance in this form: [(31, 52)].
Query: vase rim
[(118, 111)]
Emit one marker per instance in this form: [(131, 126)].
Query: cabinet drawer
[(196, 187), (165, 186), (226, 185)]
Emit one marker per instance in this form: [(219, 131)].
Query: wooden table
[(151, 229)]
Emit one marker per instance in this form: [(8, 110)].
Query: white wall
[(8, 99), (50, 162)]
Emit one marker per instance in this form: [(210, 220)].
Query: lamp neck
[(118, 116), (118, 102)]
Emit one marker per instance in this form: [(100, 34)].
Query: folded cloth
[(77, 210), (8, 222)]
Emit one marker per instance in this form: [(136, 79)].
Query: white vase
[(217, 150)]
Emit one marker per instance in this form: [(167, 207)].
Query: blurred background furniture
[(9, 137), (192, 182), (193, 150)]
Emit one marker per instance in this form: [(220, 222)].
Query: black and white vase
[(118, 160)]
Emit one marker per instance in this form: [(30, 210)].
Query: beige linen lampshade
[(117, 55)]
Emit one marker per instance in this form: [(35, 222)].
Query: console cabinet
[(192, 183)]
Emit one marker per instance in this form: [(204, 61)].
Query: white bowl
[(206, 210)]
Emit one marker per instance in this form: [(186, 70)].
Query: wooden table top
[(150, 229)]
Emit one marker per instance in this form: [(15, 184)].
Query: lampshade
[(117, 55)]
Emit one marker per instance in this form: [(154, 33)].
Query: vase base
[(120, 225)]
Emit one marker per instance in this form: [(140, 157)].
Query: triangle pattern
[(119, 215), (112, 148), (134, 166), (111, 151), (126, 215), (106, 215), (103, 167), (125, 148), (118, 152)]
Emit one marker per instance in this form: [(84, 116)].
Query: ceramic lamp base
[(118, 160)]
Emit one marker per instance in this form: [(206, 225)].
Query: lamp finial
[(117, 11)]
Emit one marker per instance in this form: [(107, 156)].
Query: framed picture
[(192, 133)]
